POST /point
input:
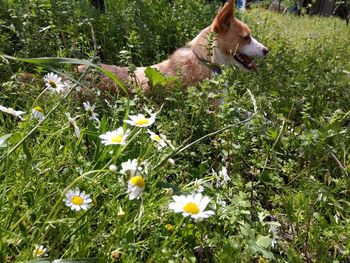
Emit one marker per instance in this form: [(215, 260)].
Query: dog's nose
[(265, 51)]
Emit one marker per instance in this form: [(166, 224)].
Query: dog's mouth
[(245, 61)]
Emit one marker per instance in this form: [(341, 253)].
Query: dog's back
[(232, 45)]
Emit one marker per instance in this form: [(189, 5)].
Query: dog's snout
[(265, 51)]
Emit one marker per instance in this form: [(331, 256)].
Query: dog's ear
[(223, 19)]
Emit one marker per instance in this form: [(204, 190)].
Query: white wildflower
[(198, 185), (115, 137), (3, 140), (73, 122), (54, 83), (11, 111), (91, 110), (136, 186), (40, 251), (77, 200), (192, 205), (159, 139), (38, 113), (131, 167), (140, 120)]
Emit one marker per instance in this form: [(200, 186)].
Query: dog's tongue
[(248, 62)]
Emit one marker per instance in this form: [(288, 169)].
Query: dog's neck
[(198, 61), (200, 45), (208, 51), (213, 67)]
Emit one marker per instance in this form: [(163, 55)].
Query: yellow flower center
[(39, 109), (52, 84), (169, 227), (39, 252), (191, 208), (117, 138), (77, 200), (137, 181), (142, 121), (156, 137)]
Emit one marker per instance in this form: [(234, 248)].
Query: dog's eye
[(246, 37)]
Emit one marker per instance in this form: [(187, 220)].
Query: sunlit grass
[(114, 177)]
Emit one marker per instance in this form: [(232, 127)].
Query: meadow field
[(92, 176)]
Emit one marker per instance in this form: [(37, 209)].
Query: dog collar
[(214, 67)]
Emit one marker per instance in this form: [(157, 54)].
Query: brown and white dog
[(232, 44)]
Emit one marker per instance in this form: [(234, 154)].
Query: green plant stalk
[(57, 60), (183, 148), (48, 114), (54, 209)]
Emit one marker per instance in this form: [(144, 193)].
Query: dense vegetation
[(282, 133)]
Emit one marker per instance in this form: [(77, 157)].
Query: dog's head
[(234, 44)]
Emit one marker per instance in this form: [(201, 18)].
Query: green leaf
[(27, 151), (57, 60), (129, 236), (155, 77), (263, 241), (246, 230), (261, 250)]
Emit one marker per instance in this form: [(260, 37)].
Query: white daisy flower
[(136, 186), (73, 122), (40, 251), (131, 168), (77, 200), (11, 111), (140, 120), (88, 107), (3, 140), (91, 110), (192, 205), (54, 83), (115, 137), (198, 185), (159, 139), (38, 113)]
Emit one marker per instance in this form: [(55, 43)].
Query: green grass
[(286, 146)]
